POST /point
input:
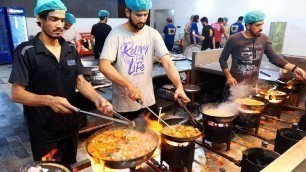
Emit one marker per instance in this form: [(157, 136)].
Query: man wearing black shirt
[(208, 35), (99, 33), (45, 75)]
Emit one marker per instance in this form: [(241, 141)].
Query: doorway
[(160, 17)]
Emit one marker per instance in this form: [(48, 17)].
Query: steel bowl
[(89, 65)]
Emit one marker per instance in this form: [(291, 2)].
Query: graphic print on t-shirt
[(249, 62), (134, 56)]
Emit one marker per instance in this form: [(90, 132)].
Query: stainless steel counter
[(182, 66), (266, 67)]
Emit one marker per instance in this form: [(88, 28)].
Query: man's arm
[(112, 74), (58, 104), (78, 45), (92, 40), (89, 92), (173, 75), (230, 80)]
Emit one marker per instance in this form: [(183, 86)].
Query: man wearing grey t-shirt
[(126, 60), (247, 49)]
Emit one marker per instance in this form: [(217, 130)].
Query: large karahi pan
[(253, 109), (183, 121), (125, 163), (217, 119)]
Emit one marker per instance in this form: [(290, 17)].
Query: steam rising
[(222, 110), (241, 90)]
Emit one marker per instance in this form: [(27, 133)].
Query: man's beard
[(258, 35), (136, 25), (51, 36)]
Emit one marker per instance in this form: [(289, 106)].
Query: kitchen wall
[(290, 11), (83, 25)]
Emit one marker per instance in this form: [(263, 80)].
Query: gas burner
[(211, 123), (274, 108), (218, 132), (248, 120), (177, 155)]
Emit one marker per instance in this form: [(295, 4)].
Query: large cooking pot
[(253, 109), (221, 118), (124, 163), (46, 165), (90, 64), (177, 120), (291, 83)]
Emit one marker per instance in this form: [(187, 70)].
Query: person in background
[(187, 34), (237, 26), (208, 35), (99, 32), (219, 31), (126, 60), (45, 75), (169, 31), (247, 49), (70, 34), (194, 30), (226, 30)]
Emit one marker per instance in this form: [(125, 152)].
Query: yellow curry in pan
[(181, 131)]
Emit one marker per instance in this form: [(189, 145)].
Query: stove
[(248, 120), (274, 108), (178, 156), (218, 132)]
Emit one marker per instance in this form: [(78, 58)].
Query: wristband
[(293, 69)]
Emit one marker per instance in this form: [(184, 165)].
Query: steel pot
[(131, 163), (90, 64), (96, 77)]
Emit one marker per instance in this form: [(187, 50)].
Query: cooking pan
[(265, 94), (216, 119), (183, 121), (124, 163), (291, 83), (244, 108)]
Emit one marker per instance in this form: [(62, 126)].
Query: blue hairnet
[(70, 18), (138, 5), (43, 5), (254, 16), (103, 13), (225, 18)]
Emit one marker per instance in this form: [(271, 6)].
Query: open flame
[(157, 127), (98, 166), (51, 155)]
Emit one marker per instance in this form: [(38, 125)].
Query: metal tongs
[(285, 83), (140, 102), (139, 124), (188, 112)]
